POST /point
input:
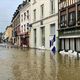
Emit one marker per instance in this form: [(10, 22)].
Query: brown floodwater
[(31, 64)]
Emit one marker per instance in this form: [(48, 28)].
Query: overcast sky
[(7, 8)]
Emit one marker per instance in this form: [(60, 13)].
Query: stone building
[(25, 19), (16, 26), (69, 24), (38, 23), (44, 19), (8, 33)]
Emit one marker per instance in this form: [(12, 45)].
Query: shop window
[(67, 44), (72, 45)]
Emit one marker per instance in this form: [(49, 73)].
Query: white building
[(44, 19), (25, 21), (43, 16)]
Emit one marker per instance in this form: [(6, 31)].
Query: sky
[(7, 9)]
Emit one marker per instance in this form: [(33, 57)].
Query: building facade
[(44, 20), (38, 25), (16, 26), (8, 33), (25, 19), (69, 24)]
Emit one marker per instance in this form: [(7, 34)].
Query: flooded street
[(31, 64)]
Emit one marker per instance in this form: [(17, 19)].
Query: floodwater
[(31, 64)]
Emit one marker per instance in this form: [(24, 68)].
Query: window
[(78, 44), (25, 16), (21, 28), (72, 46), (52, 3), (63, 21), (24, 28), (42, 10), (35, 37), (62, 44), (27, 26), (34, 1), (52, 29), (42, 36), (67, 44), (41, 22), (72, 19), (34, 14), (21, 18), (78, 17)]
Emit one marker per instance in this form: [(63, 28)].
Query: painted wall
[(48, 19)]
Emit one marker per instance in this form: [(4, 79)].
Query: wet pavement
[(31, 64)]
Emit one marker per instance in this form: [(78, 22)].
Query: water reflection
[(69, 68), (17, 72), (32, 64)]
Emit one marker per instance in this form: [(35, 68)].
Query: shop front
[(70, 39), (24, 40)]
